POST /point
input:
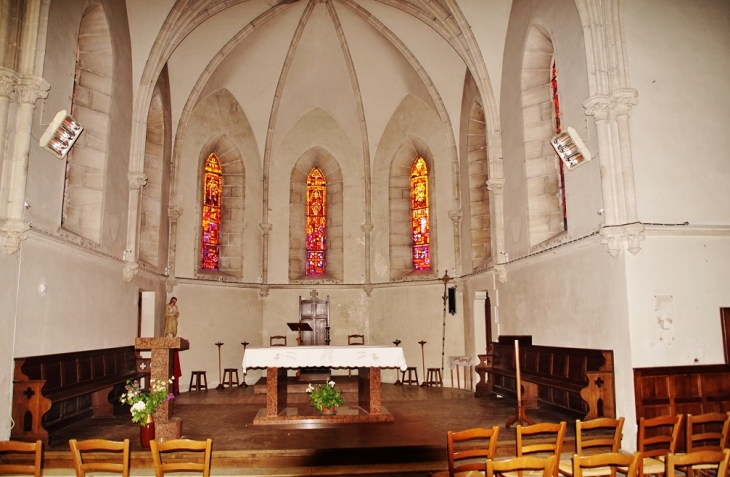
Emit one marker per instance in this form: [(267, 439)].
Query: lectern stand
[(299, 326)]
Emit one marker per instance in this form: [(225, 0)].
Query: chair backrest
[(277, 340), (526, 463), (482, 444), (94, 455), (629, 463), (542, 431), (659, 435), (707, 431), (355, 339), (23, 448), (685, 461), (174, 456), (593, 435)]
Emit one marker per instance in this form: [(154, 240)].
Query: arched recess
[(87, 162), (321, 158), (480, 217), (232, 210), (399, 208), (153, 223), (542, 168)]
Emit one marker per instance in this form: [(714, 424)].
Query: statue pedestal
[(161, 370)]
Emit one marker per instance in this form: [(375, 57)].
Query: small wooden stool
[(201, 381), (228, 377), (433, 378), (411, 370)]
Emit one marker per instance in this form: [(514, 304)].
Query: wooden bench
[(575, 382), (53, 391)]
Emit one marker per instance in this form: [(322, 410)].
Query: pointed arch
[(87, 162), (310, 165), (542, 165)]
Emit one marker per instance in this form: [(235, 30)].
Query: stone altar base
[(348, 384), (166, 430), (307, 416)]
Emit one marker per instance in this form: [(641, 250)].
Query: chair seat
[(468, 473), (651, 466), (525, 473), (566, 468)]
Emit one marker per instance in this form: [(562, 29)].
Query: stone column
[(174, 214), (29, 89), (265, 230), (367, 230), (136, 181), (8, 78), (455, 216), (166, 427)]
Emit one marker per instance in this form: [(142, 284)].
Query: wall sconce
[(61, 134), (570, 149)]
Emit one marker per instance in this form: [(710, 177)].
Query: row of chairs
[(94, 455), (657, 438)]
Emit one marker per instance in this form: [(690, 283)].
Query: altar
[(367, 359)]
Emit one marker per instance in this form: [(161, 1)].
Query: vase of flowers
[(144, 404), (325, 397)]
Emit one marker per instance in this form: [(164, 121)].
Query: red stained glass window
[(558, 129), (420, 223), (211, 223), (316, 223)]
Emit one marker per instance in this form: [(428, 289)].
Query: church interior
[(395, 158)]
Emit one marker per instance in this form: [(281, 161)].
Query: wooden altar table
[(368, 360)]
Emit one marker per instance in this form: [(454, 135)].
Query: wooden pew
[(575, 382), (53, 391)]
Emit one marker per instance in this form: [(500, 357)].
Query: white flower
[(138, 406), (331, 384), (309, 388)]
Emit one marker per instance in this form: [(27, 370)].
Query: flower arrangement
[(145, 403), (325, 396)]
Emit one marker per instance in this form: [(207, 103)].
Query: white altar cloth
[(327, 356)]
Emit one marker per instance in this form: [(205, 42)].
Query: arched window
[(558, 129), (316, 244), (211, 222), (420, 223)]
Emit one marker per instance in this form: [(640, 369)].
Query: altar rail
[(575, 382), (53, 391)]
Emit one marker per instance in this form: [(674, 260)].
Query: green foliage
[(325, 396), (145, 403)]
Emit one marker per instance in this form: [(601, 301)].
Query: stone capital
[(367, 228), (598, 106), (368, 288), (136, 180), (265, 228), (130, 270), (13, 232), (170, 284), (615, 236), (32, 88), (623, 99), (455, 216), (501, 272), (264, 291), (8, 78), (174, 213), (496, 186)]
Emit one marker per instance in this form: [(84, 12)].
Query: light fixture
[(570, 149), (61, 134)]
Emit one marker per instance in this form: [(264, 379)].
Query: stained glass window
[(558, 129), (211, 223), (316, 223), (420, 224)]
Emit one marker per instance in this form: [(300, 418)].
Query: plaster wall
[(583, 187), (8, 315), (679, 128), (145, 20), (676, 287)]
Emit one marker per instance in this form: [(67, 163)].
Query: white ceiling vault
[(354, 59)]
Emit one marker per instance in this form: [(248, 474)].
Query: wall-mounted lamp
[(61, 134), (570, 149)]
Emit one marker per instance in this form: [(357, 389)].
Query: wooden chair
[(25, 448), (277, 340), (706, 432), (658, 437), (589, 465), (467, 450), (717, 460), (526, 464), (542, 448), (172, 452), (87, 456), (355, 339), (595, 436)]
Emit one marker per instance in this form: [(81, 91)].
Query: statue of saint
[(171, 316)]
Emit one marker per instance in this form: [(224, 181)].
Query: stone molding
[(13, 233), (130, 270), (618, 103), (136, 180), (32, 88), (174, 213), (455, 216), (265, 228), (615, 236), (496, 186)]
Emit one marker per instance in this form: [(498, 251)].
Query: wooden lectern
[(299, 326)]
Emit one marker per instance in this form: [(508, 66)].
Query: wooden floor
[(414, 445)]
